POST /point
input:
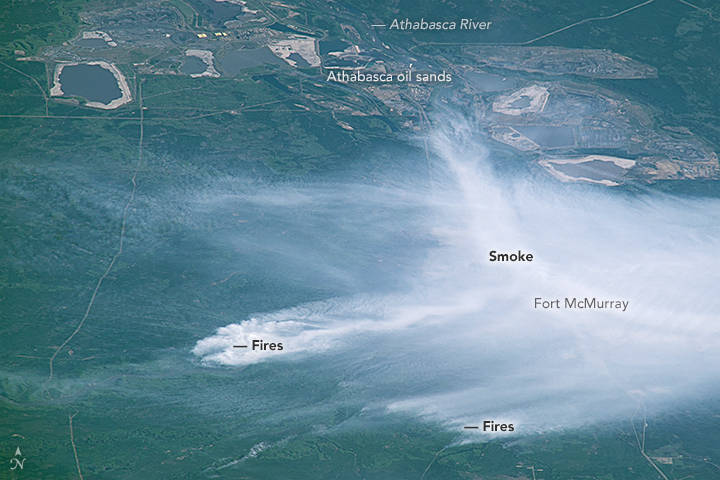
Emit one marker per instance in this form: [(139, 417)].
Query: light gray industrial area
[(530, 99)]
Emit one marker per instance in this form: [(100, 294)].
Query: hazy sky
[(446, 334)]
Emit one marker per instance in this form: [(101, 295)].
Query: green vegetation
[(145, 411), (271, 119), (188, 13), (119, 439), (52, 22), (266, 115)]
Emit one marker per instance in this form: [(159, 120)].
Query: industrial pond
[(91, 82)]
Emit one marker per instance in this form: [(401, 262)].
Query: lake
[(234, 62), (548, 136), (327, 46), (594, 170), (485, 82), (217, 12), (91, 82), (193, 65)]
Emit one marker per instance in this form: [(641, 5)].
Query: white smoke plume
[(463, 341)]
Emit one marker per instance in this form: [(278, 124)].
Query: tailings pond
[(597, 170), (234, 62), (193, 65), (91, 82)]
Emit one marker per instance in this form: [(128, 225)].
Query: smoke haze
[(427, 325)]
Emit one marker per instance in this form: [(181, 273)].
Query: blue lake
[(92, 82)]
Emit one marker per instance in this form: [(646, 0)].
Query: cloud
[(460, 339)]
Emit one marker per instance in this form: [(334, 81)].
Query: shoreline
[(56, 90)]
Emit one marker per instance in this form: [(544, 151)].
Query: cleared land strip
[(117, 254), (141, 118), (591, 19), (701, 9), (47, 99), (72, 441)]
